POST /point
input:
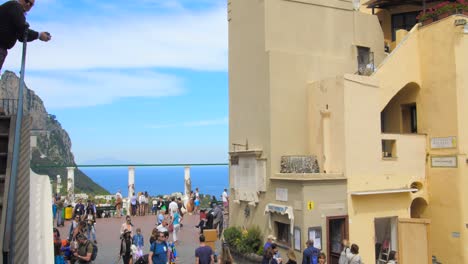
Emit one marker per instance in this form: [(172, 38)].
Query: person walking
[(173, 206), (60, 206), (141, 200), (310, 254), (344, 252), (176, 218), (322, 259), (125, 247), (118, 203), (84, 252), (13, 25), (225, 257), (90, 215), (159, 253), (139, 242), (79, 210), (225, 198), (204, 253), (291, 257), (127, 225), (197, 201), (353, 256)]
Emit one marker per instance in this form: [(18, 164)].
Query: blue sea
[(161, 180)]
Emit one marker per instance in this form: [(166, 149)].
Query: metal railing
[(8, 107)]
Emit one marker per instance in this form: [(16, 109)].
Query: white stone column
[(59, 184), (131, 186), (187, 185), (71, 184)]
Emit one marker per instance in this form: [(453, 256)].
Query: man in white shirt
[(142, 201), (173, 206), (133, 203), (162, 227), (225, 197)]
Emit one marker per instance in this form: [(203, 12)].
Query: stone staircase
[(5, 125)]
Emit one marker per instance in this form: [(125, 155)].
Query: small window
[(365, 61), (282, 233), (388, 148)]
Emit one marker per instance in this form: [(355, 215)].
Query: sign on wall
[(297, 238), (282, 194), (315, 234), (444, 161), (443, 142), (310, 205)]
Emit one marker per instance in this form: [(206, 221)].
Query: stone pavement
[(108, 233)]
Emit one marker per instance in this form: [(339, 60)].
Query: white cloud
[(89, 88), (183, 39), (199, 123)]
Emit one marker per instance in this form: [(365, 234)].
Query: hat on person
[(271, 237)]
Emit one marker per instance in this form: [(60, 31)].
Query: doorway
[(337, 230), (409, 118)]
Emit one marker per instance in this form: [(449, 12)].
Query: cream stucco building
[(332, 137)]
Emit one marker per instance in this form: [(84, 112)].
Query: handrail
[(129, 165)]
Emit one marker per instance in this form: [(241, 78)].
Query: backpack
[(315, 253), (95, 251)]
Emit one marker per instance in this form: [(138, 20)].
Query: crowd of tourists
[(80, 244), (311, 255), (164, 238)]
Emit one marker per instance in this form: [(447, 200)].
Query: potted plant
[(462, 7), (427, 17)]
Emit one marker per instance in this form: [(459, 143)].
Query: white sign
[(282, 194), (443, 142), (444, 162)]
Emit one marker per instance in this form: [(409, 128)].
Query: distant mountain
[(54, 144)]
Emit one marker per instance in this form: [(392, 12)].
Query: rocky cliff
[(54, 144)]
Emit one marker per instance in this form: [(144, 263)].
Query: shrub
[(245, 241), (233, 235)]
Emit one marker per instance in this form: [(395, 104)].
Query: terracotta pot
[(443, 15), (428, 21)]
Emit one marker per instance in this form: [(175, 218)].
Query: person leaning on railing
[(12, 26)]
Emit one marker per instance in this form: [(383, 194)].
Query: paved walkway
[(108, 233)]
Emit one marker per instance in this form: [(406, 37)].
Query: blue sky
[(141, 81)]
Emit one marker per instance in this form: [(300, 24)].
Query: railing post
[(131, 186), (71, 184)]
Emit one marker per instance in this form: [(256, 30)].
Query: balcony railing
[(8, 107)]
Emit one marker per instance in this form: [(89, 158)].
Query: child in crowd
[(138, 241), (66, 249)]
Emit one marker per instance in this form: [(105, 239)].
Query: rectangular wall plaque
[(282, 194), (444, 161), (443, 142)]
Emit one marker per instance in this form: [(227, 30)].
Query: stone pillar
[(59, 184), (187, 185), (71, 184), (327, 156), (131, 186)]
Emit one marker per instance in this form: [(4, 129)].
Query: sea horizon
[(161, 180)]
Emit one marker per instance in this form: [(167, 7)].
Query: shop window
[(282, 233), (388, 148)]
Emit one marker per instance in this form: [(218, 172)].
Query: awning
[(391, 3), (282, 210), (388, 191)]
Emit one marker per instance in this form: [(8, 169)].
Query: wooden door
[(411, 250), (337, 230)]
